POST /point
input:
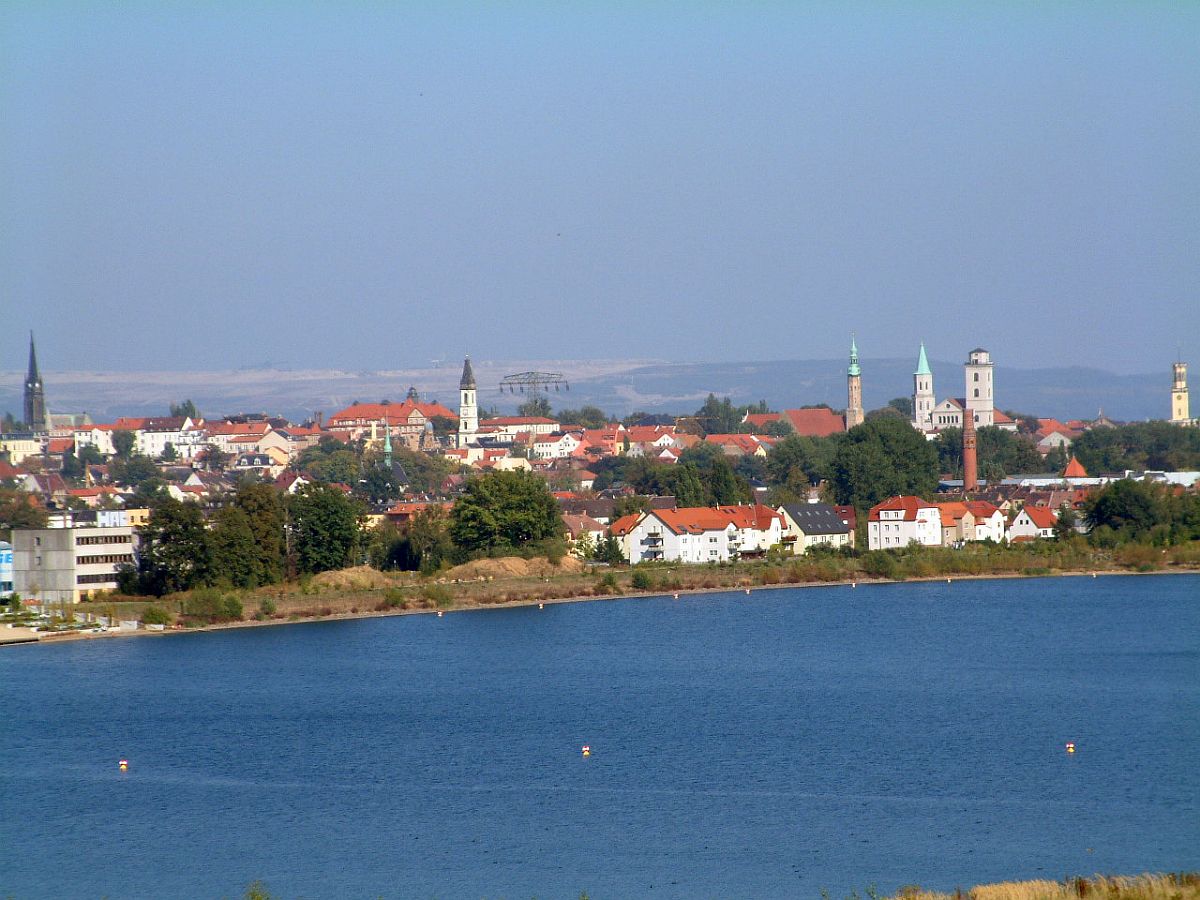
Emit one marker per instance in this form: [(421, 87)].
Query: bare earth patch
[(514, 567)]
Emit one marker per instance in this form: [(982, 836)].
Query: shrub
[(156, 615), (641, 581), (267, 607), (394, 597), (437, 594)]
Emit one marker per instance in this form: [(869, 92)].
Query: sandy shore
[(60, 637)]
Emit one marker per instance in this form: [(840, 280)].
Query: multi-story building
[(61, 565), (901, 521), (808, 525)]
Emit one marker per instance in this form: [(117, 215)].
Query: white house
[(989, 521), (698, 534), (808, 525), (901, 521), (1033, 522)]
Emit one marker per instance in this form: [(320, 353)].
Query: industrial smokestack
[(970, 464)]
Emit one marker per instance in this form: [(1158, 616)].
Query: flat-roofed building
[(61, 565)]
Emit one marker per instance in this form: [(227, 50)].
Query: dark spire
[(33, 369), (468, 379), (35, 397)]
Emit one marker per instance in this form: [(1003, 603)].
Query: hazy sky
[(375, 185)]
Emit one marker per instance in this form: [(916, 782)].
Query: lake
[(768, 745)]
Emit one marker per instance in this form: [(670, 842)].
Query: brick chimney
[(970, 464)]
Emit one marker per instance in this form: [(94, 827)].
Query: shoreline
[(71, 636)]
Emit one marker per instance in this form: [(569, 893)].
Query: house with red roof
[(1033, 522), (407, 421), (699, 534), (989, 521), (900, 521), (738, 445)]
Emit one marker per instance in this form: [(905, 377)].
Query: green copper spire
[(387, 445), (854, 369), (922, 363)]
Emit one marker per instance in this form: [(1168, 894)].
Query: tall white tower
[(1179, 395), (468, 406), (923, 401), (978, 398)]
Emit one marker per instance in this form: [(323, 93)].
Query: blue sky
[(368, 186)]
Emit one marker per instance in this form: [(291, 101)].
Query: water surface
[(742, 746)]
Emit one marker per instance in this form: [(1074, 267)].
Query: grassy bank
[(1184, 886), (363, 591)]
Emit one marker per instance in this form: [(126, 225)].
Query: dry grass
[(1185, 886)]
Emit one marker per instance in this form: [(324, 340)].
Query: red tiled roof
[(910, 505), (1041, 516), (1074, 469), (819, 422), (625, 524)]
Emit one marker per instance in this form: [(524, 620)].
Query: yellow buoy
[(587, 751), (124, 765), (1070, 746)]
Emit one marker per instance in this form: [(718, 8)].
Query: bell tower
[(1180, 412), (854, 407), (923, 401), (978, 398), (468, 406)]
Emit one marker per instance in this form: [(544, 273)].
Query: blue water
[(761, 746)]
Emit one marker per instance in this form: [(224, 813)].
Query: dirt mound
[(358, 578), (514, 567)]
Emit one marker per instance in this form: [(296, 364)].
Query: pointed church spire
[(33, 369), (854, 369), (35, 397), (468, 376), (922, 363), (387, 445)]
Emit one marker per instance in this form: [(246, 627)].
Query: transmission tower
[(533, 383)]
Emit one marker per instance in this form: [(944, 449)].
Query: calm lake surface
[(742, 746)]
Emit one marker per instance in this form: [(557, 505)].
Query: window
[(976, 392), (976, 378)]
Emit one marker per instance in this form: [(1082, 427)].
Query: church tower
[(35, 398), (854, 408), (978, 398), (1179, 395), (468, 406), (923, 401)]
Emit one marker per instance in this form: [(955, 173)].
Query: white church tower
[(1180, 414), (978, 398), (923, 401), (468, 406)]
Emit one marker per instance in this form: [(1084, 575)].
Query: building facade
[(61, 565)]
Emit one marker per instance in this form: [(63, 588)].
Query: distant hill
[(617, 386)]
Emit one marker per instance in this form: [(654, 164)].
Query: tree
[(586, 416), (89, 455), (886, 412), (1064, 525), (123, 442), (133, 470), (1139, 446), (903, 405), (330, 461), (214, 458), (1130, 508), (609, 551), (781, 428), (173, 552), (264, 509), (378, 486), (500, 511), (169, 454), (718, 416), (71, 466), (186, 409), (234, 555), (719, 484), (798, 461), (881, 459), (536, 406), (428, 535), (20, 509), (324, 526)]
